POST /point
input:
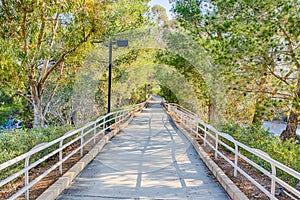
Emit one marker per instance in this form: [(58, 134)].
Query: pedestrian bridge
[(147, 154), (150, 158)]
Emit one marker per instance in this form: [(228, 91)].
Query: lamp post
[(119, 43)]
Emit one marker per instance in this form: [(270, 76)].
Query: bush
[(18, 142), (286, 152)]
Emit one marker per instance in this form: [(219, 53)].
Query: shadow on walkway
[(149, 159)]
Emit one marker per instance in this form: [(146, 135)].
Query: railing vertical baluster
[(104, 125), (181, 118), (217, 143), (205, 133), (236, 154), (81, 142), (191, 126), (273, 175), (27, 177), (197, 128), (123, 116), (117, 118), (187, 122), (60, 156), (27, 162), (95, 132)]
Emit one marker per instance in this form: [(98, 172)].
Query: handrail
[(86, 134), (213, 138), (181, 108)]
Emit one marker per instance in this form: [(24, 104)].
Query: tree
[(159, 15), (254, 39), (42, 38)]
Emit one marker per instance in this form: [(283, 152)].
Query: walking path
[(150, 159)]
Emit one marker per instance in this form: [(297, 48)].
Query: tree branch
[(273, 73), (8, 14), (18, 91), (24, 31), (54, 90), (40, 37), (278, 77), (53, 31), (287, 96), (61, 59), (290, 46)]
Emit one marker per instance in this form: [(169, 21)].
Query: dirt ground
[(248, 188), (46, 182)]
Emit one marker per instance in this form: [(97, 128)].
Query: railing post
[(27, 177), (122, 116), (27, 160), (117, 118), (191, 126), (197, 128), (273, 175), (216, 145), (205, 133), (104, 125), (95, 131), (236, 156), (81, 142), (60, 156), (181, 118)]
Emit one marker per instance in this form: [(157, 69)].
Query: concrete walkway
[(150, 159)]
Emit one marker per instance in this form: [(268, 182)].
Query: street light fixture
[(119, 43)]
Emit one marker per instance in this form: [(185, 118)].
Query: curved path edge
[(66, 179), (233, 191)]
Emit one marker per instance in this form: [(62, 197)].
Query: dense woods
[(44, 42), (255, 51), (237, 60)]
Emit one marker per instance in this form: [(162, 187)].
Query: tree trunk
[(212, 116), (38, 117), (74, 118), (38, 114), (291, 127)]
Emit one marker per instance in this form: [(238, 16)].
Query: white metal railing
[(85, 135), (179, 107), (214, 138)]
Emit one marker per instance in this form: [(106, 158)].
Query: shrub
[(254, 136), (18, 142)]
